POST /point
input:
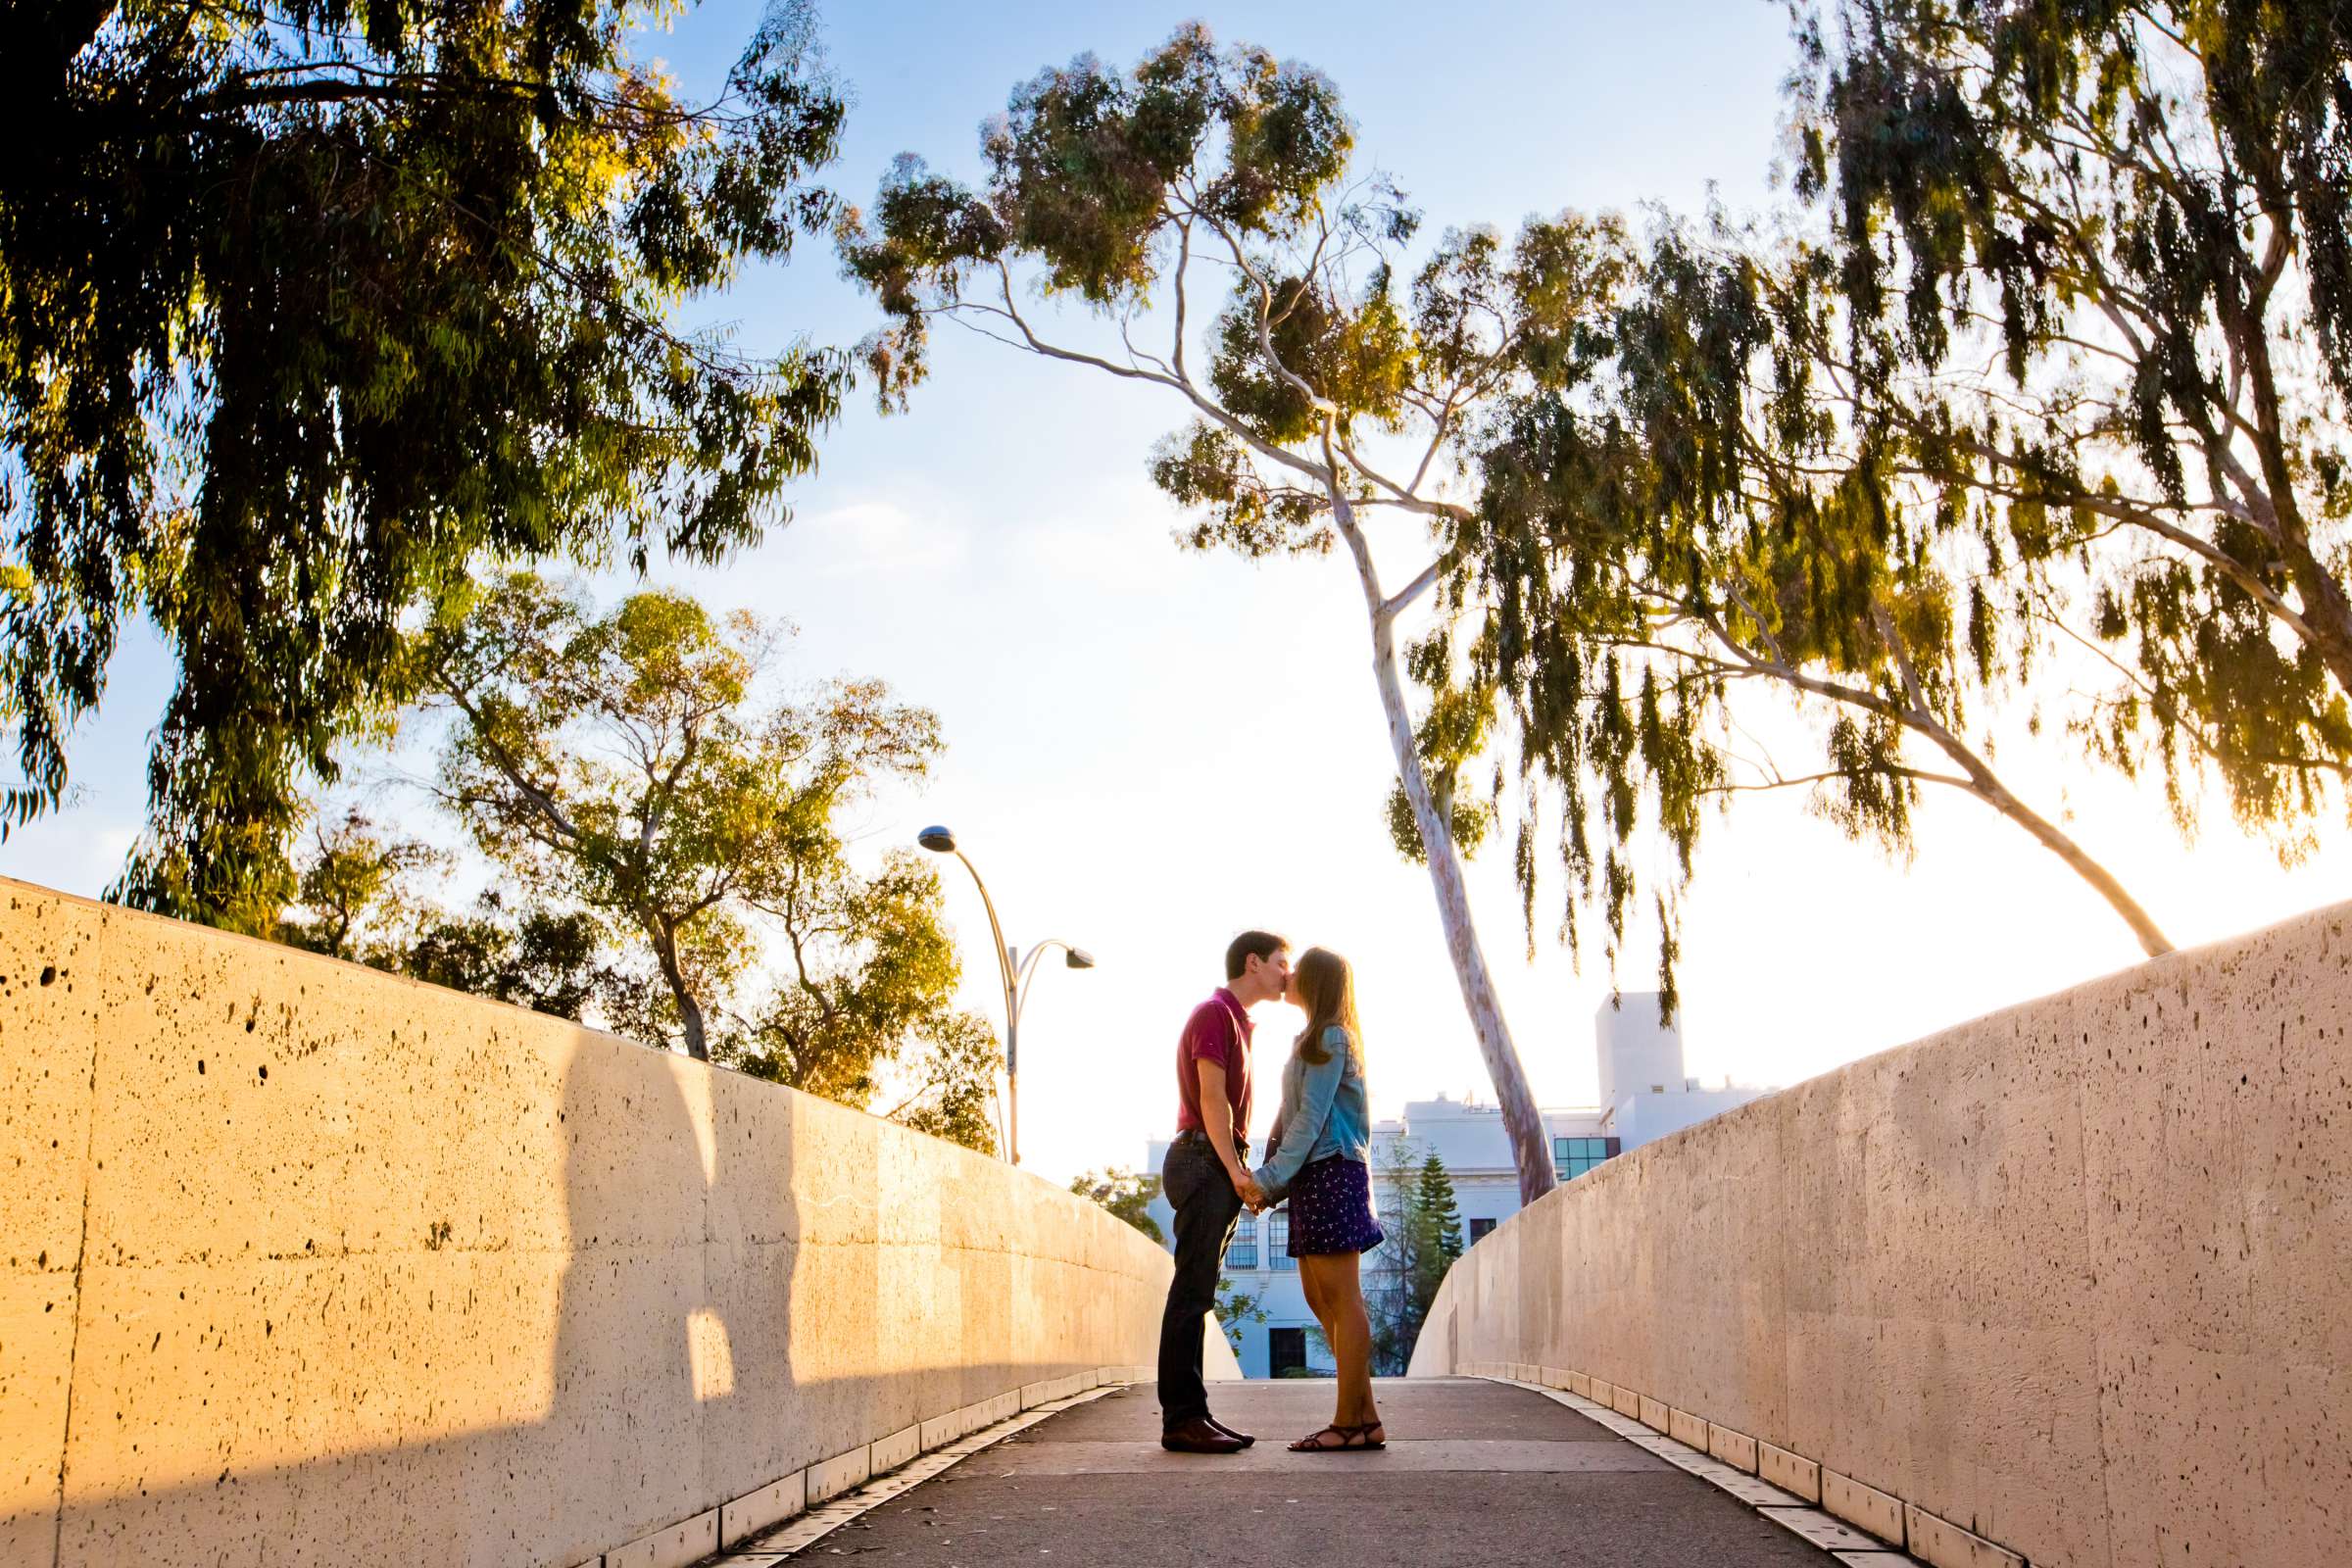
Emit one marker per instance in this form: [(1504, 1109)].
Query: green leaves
[(1127, 1194), (1352, 355), (1235, 1308), (630, 766), (1078, 162), (360, 898), (2138, 216), (1081, 161), (1207, 470), (1454, 732), (308, 311), (1096, 176), (1717, 509)]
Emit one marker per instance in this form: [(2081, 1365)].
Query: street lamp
[(1014, 969)]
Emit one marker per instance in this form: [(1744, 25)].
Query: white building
[(1644, 1095)]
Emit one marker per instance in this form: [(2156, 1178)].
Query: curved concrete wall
[(2074, 1280), (307, 1263)]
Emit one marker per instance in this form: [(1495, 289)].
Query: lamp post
[(1015, 969)]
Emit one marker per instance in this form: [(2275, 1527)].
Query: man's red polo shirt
[(1218, 1031)]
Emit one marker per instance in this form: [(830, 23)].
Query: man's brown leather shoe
[(1200, 1436), (1242, 1438)]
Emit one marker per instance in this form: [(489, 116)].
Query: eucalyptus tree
[(310, 307), (1706, 521), (2096, 267), (557, 961), (360, 898), (1329, 395), (1125, 1193), (2058, 368), (628, 765), (864, 964), (355, 888)]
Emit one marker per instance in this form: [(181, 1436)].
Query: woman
[(1320, 1161)]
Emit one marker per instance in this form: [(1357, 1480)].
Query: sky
[(1150, 749)]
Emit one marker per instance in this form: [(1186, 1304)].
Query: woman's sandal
[(1356, 1438)]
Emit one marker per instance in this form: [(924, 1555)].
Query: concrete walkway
[(1474, 1472)]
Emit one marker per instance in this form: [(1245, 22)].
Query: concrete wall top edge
[(13, 888), (2174, 969)]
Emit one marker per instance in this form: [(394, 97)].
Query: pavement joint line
[(1783, 1509), (797, 1535)]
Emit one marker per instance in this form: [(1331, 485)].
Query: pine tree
[(1437, 1243), (1437, 1204), (1425, 1238)]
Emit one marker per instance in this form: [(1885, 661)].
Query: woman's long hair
[(1327, 988)]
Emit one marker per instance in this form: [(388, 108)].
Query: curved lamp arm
[(1079, 958), (939, 841), (1003, 957)]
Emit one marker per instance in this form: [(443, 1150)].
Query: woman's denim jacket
[(1326, 1110)]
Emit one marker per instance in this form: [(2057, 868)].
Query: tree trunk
[(690, 1019), (690, 1011), (2324, 607), (1531, 1149), (1987, 786), (1993, 793)]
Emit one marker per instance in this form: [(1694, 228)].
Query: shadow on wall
[(369, 1269)]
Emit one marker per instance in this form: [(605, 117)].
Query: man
[(1206, 1180)]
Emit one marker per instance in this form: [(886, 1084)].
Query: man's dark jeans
[(1207, 1207)]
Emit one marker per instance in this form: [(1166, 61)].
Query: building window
[(1243, 1253), (1278, 1240), (1572, 1156), (1480, 1230)]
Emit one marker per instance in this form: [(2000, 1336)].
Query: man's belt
[(1241, 1145)]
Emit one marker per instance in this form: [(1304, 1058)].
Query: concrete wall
[(2076, 1277), (303, 1263)]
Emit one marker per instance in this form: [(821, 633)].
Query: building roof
[(1470, 1137)]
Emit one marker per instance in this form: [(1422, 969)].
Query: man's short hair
[(1250, 944)]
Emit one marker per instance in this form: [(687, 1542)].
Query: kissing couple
[(1318, 1161)]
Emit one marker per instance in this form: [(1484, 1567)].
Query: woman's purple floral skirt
[(1331, 1209)]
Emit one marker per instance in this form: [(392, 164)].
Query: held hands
[(1255, 1193)]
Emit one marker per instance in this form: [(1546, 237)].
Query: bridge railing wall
[(2071, 1282), (301, 1263)]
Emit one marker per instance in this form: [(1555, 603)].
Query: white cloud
[(1124, 538), (876, 537)]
